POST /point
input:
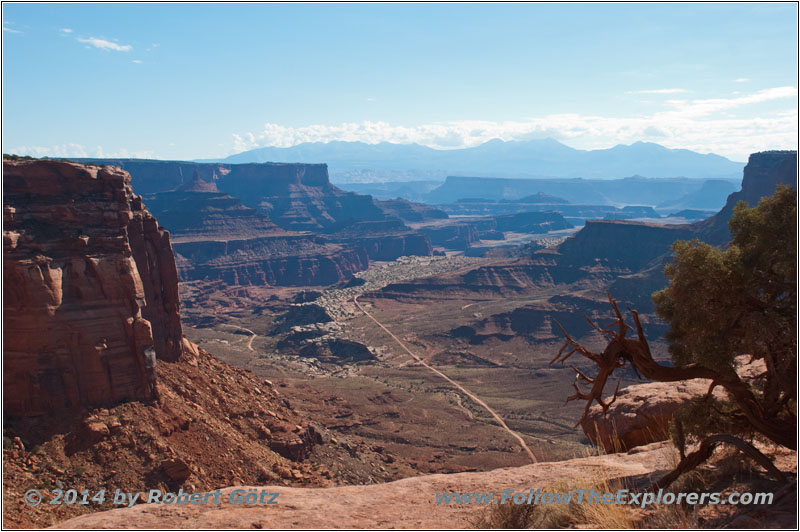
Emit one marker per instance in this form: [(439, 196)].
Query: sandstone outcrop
[(409, 211), (641, 414), (90, 289), (764, 171), (381, 239), (296, 197), (292, 259), (461, 234), (532, 222), (457, 236), (621, 245), (207, 214), (216, 237), (241, 223), (406, 503)]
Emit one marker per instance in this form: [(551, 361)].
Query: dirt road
[(252, 335), (454, 383)]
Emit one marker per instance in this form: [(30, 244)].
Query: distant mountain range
[(361, 162)]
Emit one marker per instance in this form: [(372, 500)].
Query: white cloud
[(708, 106), (60, 150), (137, 61), (697, 125), (658, 91), (66, 30), (9, 29), (741, 80), (77, 150), (106, 45)]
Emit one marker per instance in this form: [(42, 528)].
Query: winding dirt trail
[(454, 383), (252, 335)]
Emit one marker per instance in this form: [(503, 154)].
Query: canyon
[(242, 279), (99, 382)]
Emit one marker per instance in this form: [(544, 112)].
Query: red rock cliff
[(763, 173), (90, 289)]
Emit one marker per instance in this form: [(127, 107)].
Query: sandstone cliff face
[(620, 245), (90, 289), (207, 215), (215, 237), (409, 211), (458, 236), (295, 196), (269, 260), (764, 171), (151, 175), (214, 203), (382, 239)]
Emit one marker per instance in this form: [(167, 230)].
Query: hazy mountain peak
[(545, 157)]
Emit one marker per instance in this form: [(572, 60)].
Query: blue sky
[(207, 80)]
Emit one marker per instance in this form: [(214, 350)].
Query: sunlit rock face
[(90, 289)]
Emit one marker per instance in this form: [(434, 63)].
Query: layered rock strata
[(294, 260), (90, 289), (297, 197), (216, 237), (256, 218), (763, 173), (383, 239)]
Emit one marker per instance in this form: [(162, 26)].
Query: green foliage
[(711, 416), (741, 300), (14, 157)]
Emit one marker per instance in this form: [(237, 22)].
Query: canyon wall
[(764, 171), (213, 202), (621, 245), (295, 196), (269, 260), (89, 285), (216, 237), (382, 239)]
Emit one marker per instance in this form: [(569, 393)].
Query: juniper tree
[(720, 304)]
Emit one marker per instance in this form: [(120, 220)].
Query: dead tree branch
[(621, 350), (704, 452)]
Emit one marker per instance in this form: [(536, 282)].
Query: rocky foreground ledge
[(406, 503)]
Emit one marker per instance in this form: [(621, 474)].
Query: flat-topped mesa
[(621, 245), (296, 196), (152, 175), (216, 237), (90, 289), (192, 214)]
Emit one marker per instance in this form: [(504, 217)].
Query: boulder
[(641, 414), (95, 430), (176, 470), (292, 441)]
